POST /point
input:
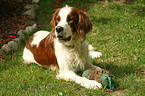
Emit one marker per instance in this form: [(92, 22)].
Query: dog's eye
[(58, 19), (69, 19)]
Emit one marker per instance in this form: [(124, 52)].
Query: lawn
[(118, 32)]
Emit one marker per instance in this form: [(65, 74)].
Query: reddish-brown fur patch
[(80, 22), (54, 21), (84, 24), (44, 54)]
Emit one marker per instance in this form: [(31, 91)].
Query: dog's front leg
[(70, 75)]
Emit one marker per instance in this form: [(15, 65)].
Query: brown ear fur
[(84, 24), (53, 21)]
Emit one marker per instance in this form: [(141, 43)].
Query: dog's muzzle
[(60, 34)]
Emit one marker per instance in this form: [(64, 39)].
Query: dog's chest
[(71, 58)]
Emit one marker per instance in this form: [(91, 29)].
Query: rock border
[(12, 46)]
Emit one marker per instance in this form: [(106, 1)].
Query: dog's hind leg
[(28, 56), (92, 53)]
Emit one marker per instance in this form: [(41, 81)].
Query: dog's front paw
[(94, 85), (95, 54), (91, 84), (62, 76)]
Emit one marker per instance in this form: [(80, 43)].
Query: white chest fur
[(72, 58)]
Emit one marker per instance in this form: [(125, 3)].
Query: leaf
[(84, 9), (61, 1), (24, 81), (41, 77)]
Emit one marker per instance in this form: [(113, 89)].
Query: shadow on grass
[(140, 10), (119, 71), (104, 20), (10, 61)]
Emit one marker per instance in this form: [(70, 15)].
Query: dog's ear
[(84, 24), (53, 21)]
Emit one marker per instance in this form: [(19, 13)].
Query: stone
[(35, 6), (21, 34), (13, 45), (29, 30), (18, 40), (32, 7), (30, 13), (35, 1), (5, 49), (34, 26), (28, 6)]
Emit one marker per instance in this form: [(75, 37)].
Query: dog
[(65, 47)]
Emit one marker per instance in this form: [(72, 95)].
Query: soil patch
[(12, 19)]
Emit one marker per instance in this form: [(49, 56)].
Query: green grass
[(118, 32)]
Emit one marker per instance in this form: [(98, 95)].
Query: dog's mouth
[(62, 39)]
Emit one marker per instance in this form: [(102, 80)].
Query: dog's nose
[(59, 29)]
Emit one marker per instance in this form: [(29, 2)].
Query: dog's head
[(68, 21)]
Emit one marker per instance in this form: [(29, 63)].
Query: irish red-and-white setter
[(65, 47)]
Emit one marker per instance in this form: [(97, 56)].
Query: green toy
[(103, 76), (86, 73)]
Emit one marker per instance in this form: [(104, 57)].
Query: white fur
[(72, 56), (70, 60), (28, 56), (94, 54), (70, 75), (74, 59), (91, 48), (63, 21), (38, 36)]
